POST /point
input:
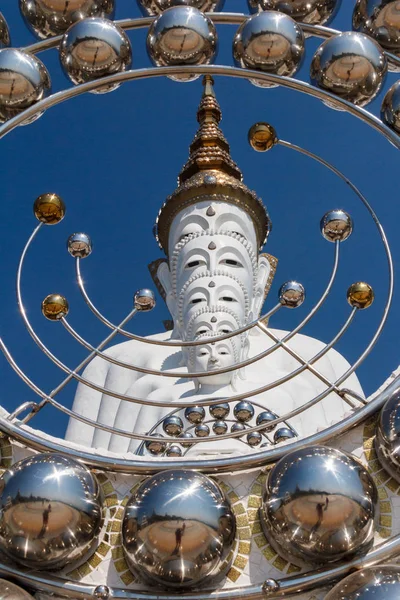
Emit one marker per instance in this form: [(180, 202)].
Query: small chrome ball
[(51, 511), (360, 295), (156, 446), (94, 48), (387, 440), (350, 65), (336, 225), (173, 425), (186, 436), (238, 427), (101, 592), (10, 591), (79, 245), (202, 430), (262, 137), (182, 35), (47, 18), (390, 110), (55, 307), (220, 411), (220, 427), (269, 586), (379, 19), (254, 438), (156, 7), (174, 451), (291, 294), (144, 300), (243, 411), (381, 582), (267, 417), (4, 33), (313, 12), (270, 42), (282, 434), (195, 414), (49, 209), (319, 506), (178, 529), (24, 81)]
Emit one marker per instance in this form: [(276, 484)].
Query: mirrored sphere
[(101, 592), (47, 18), (350, 65), (319, 506), (182, 36), (387, 441), (79, 245), (186, 436), (381, 20), (144, 300), (390, 111), (10, 591), (314, 12), (270, 42), (266, 416), (178, 529), (4, 32), (24, 80), (202, 430), (237, 427), (282, 434), (94, 48), (156, 7), (195, 414), (49, 208), (174, 451), (291, 294), (55, 307), (336, 225), (51, 511), (373, 583), (220, 427), (243, 411), (156, 446), (254, 438), (220, 411), (172, 425), (360, 295)]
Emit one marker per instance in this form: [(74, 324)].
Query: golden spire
[(209, 149)]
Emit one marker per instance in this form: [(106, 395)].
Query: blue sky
[(115, 157)]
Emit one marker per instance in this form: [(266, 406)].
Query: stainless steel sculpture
[(373, 583), (178, 529), (319, 506), (51, 511)]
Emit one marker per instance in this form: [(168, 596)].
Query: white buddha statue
[(214, 281)]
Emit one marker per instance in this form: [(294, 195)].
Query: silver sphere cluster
[(388, 436), (315, 12), (378, 583), (94, 48), (178, 530), (156, 7), (379, 19), (319, 506), (182, 35), (390, 111), (51, 511)]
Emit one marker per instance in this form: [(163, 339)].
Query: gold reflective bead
[(360, 295), (262, 137), (49, 209), (54, 307)]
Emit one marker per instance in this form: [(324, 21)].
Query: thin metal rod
[(32, 405), (139, 74)]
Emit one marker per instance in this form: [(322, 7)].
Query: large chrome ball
[(270, 42), (173, 425), (387, 441), (254, 438), (144, 300), (350, 65), (4, 32), (79, 245), (94, 48), (47, 18), (195, 414), (156, 446), (182, 36), (243, 411), (381, 20), (282, 434), (314, 12), (267, 417), (178, 529), (336, 225), (174, 451), (220, 427), (24, 80), (202, 430), (10, 591), (319, 506), (51, 511), (390, 111), (156, 7), (291, 294), (373, 583), (220, 411)]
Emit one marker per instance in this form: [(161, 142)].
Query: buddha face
[(211, 357)]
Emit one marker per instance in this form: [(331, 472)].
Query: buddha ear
[(263, 277), (160, 273)]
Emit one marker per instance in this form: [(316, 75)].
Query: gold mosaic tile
[(385, 520), (370, 454), (260, 541), (374, 466), (256, 489), (239, 509), (6, 451), (240, 562), (121, 565), (101, 477), (244, 533), (392, 485), (119, 514), (385, 507), (233, 574), (233, 497), (116, 539), (280, 563), (244, 547), (114, 526), (84, 570), (384, 533), (107, 488), (117, 552), (94, 561), (269, 552), (127, 578), (254, 502), (256, 527), (293, 569), (369, 443), (125, 501), (74, 574), (241, 520), (111, 500), (382, 476), (252, 513), (382, 493)]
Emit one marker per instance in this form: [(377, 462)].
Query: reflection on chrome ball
[(270, 42), (319, 506), (182, 36), (381, 20), (314, 12), (377, 583), (156, 7), (47, 18), (24, 80), (178, 529), (51, 511), (390, 111), (4, 32), (10, 591), (94, 48), (388, 435), (336, 225), (350, 65)]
